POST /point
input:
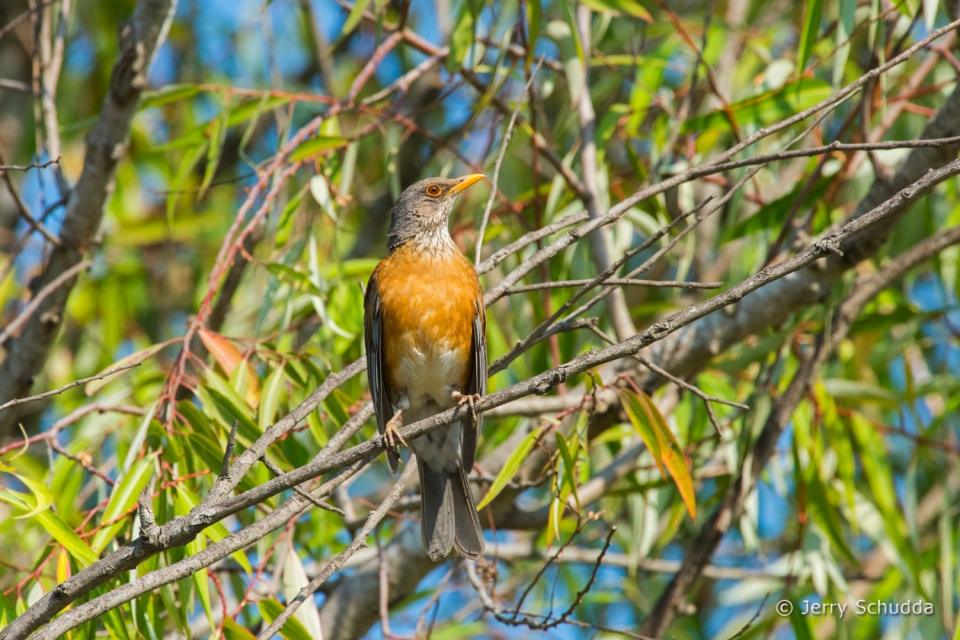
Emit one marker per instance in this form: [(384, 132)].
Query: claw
[(390, 433), (470, 399)]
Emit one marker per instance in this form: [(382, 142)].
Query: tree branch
[(140, 38)]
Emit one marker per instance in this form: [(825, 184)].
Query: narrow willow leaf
[(808, 36), (168, 94), (42, 496), (461, 38), (137, 356), (7, 611), (653, 429), (190, 159), (292, 629), (534, 19), (270, 398), (218, 136), (569, 465), (845, 23), (313, 146), (354, 18), (298, 281), (233, 631), (629, 7), (320, 191), (53, 525), (511, 466)]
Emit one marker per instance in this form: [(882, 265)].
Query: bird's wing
[(373, 340), (478, 384)]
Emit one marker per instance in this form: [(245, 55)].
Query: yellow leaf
[(667, 453)]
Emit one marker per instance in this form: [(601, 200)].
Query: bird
[(425, 338)]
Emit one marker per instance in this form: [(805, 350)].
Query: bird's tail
[(448, 516)]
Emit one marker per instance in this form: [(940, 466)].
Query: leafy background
[(861, 496)]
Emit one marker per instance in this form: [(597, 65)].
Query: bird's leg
[(470, 399), (390, 433)]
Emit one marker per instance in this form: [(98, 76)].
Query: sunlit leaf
[(270, 398), (808, 35), (168, 94), (315, 145), (292, 629), (511, 466), (653, 429), (628, 7), (137, 356)]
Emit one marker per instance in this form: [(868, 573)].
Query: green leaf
[(168, 94), (459, 630), (292, 629), (568, 464), (534, 19), (63, 534), (218, 136), (299, 281), (286, 216), (811, 28), (461, 39), (652, 428), (876, 469), (238, 115), (765, 108), (233, 631), (270, 398), (773, 215), (137, 356), (42, 496), (629, 7), (231, 407), (858, 392), (845, 24), (123, 497), (315, 145), (7, 611), (353, 18), (511, 466)]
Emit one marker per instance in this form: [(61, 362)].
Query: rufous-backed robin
[(425, 334)]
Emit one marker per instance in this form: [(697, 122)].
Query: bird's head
[(423, 209)]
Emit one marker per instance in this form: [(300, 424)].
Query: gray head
[(424, 208)]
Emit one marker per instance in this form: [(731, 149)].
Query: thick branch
[(139, 40), (732, 505)]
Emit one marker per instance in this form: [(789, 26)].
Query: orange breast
[(428, 303)]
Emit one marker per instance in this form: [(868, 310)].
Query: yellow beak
[(466, 181)]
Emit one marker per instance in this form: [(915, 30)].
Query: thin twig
[(66, 387), (359, 541), (496, 167), (560, 284), (277, 471), (27, 167), (41, 295)]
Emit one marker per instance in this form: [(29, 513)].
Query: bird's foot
[(390, 434), (471, 399)]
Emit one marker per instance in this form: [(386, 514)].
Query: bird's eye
[(433, 190)]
